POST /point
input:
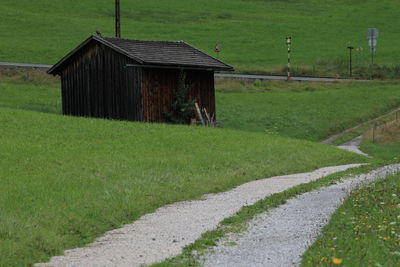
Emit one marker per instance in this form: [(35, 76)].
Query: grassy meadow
[(384, 142), (98, 174), (366, 126), (305, 110), (66, 180), (311, 111), (251, 32)]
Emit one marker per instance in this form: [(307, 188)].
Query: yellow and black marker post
[(289, 45)]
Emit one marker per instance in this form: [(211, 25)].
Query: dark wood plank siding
[(159, 86), (202, 88), (96, 83)]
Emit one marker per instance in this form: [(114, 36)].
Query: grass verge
[(191, 255), (302, 110), (364, 231), (383, 142), (29, 90), (305, 110), (66, 180), (359, 130), (386, 152)]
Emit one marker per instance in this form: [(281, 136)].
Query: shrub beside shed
[(133, 80)]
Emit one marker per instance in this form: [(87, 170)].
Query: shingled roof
[(153, 53)]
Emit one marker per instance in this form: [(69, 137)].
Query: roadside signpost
[(372, 35), (289, 45)]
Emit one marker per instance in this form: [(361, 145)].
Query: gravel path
[(163, 234), (279, 237), (354, 146)]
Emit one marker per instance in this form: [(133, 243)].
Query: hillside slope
[(251, 32), (66, 180), (307, 111), (312, 111)]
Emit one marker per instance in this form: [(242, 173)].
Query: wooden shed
[(133, 80)]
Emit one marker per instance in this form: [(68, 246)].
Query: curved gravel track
[(163, 234), (281, 236), (354, 146)]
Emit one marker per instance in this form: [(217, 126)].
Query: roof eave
[(228, 67), (55, 69), (118, 49), (188, 66)]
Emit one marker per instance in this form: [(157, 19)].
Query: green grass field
[(384, 142), (66, 180), (364, 231), (251, 33), (357, 131), (303, 110), (33, 97), (99, 174), (311, 111), (389, 152)]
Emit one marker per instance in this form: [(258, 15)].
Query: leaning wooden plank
[(199, 113), (206, 114)]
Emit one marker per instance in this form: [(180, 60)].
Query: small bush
[(182, 109)]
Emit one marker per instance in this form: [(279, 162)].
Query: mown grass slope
[(384, 141), (251, 32), (33, 97), (311, 111), (66, 180)]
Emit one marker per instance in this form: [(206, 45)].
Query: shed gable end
[(96, 83)]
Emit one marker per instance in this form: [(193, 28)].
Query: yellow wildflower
[(337, 261)]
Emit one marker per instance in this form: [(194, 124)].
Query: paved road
[(45, 67), (12, 65), (281, 78)]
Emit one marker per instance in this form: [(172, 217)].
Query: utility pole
[(117, 19)]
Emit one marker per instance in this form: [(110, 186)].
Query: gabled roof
[(153, 53)]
